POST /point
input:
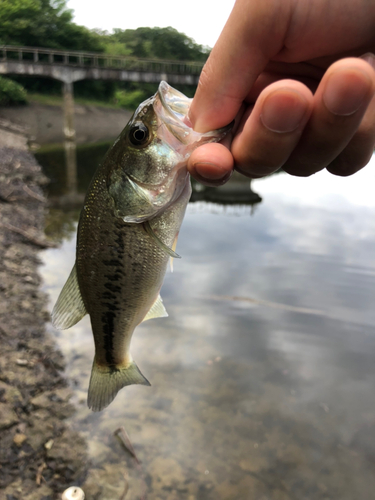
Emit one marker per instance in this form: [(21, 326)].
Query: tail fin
[(105, 382)]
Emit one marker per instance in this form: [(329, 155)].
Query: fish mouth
[(175, 131), (173, 107)]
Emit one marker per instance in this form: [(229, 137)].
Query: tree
[(155, 43), (44, 23)]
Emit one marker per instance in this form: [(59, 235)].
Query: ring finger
[(340, 103)]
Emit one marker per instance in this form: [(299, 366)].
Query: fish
[(127, 232)]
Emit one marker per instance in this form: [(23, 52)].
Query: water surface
[(263, 374)]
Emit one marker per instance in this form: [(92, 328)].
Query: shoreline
[(43, 123), (37, 458)]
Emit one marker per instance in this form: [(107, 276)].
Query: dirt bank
[(44, 123), (37, 456)]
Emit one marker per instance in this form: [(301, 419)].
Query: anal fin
[(157, 310), (69, 308)]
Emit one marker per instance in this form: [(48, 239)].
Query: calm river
[(263, 375)]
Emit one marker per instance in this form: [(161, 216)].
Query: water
[(263, 374)]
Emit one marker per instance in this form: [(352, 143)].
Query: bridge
[(72, 66)]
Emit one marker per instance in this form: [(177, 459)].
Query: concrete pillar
[(69, 130)]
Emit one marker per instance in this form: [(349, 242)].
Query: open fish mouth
[(172, 108), (174, 142)]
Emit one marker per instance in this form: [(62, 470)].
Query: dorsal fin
[(157, 310), (69, 308)]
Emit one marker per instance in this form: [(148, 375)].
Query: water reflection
[(71, 167), (263, 374), (69, 184)]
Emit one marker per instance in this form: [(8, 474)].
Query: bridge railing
[(96, 60)]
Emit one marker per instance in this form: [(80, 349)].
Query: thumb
[(253, 34)]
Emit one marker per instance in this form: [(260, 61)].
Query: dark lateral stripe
[(112, 262), (108, 331), (112, 288), (110, 307), (113, 277)]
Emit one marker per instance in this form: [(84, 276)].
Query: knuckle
[(206, 76)]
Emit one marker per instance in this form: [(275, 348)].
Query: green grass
[(56, 100)]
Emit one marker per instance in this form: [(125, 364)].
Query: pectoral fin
[(158, 241), (174, 249), (69, 308), (157, 310)]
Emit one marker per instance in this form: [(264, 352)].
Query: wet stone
[(7, 416), (167, 473), (9, 394)]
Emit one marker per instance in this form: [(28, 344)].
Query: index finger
[(253, 33)]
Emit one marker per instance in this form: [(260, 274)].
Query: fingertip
[(211, 164)]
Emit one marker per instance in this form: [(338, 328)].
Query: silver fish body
[(130, 221)]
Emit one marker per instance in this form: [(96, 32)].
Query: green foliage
[(117, 49), (154, 43), (95, 89), (130, 99), (11, 92), (44, 23)]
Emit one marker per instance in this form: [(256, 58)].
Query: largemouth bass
[(127, 232)]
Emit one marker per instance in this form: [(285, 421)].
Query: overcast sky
[(201, 20)]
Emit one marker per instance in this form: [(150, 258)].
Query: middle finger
[(269, 132)]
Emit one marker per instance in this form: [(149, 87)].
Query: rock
[(167, 473), (7, 416), (9, 394), (19, 439), (73, 493)]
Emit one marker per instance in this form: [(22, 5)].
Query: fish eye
[(139, 134)]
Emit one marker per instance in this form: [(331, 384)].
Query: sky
[(323, 189), (201, 20)]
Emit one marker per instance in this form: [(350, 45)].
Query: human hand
[(291, 75)]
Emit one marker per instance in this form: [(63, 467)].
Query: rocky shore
[(37, 457)]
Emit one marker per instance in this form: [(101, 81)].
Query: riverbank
[(39, 455), (44, 122)]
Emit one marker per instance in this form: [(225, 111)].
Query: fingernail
[(345, 99), (211, 173), (283, 113), (369, 58)]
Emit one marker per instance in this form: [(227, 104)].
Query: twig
[(31, 193), (126, 489), (39, 476), (125, 440), (28, 236)]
